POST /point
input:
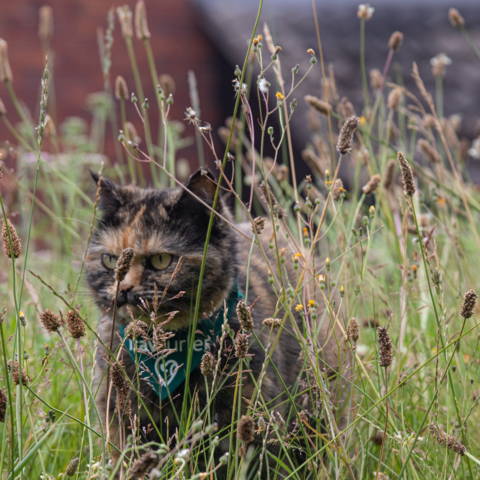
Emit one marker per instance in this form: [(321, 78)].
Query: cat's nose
[(127, 295)]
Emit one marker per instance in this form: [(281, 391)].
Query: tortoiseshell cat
[(166, 229)]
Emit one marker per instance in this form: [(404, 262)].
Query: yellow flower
[(310, 51), (362, 120), (257, 39), (321, 278), (298, 307), (305, 231), (312, 303), (280, 96), (296, 256)]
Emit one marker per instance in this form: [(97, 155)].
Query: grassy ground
[(395, 254)]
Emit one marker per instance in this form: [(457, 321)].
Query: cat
[(166, 230)]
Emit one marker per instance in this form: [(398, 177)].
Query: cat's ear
[(110, 194), (202, 184)]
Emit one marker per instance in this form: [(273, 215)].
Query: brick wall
[(178, 43)]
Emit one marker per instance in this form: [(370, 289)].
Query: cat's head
[(167, 230)]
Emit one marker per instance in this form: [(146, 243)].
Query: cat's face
[(166, 229)]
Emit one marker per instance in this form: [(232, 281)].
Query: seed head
[(428, 151), (75, 324), (372, 184), (319, 105), (395, 40), (272, 322), (51, 321), (407, 175), (365, 11), (160, 337), (456, 18), (353, 331), (141, 24), (123, 264), (167, 83), (439, 64), (118, 380), (376, 79), (136, 329), (5, 70), (469, 301), (241, 345), (344, 143), (244, 315), (207, 364), (258, 225), (18, 377), (3, 405), (45, 24), (394, 97), (389, 174), (446, 440), (121, 89), (12, 246), (124, 15), (3, 110), (144, 465), (246, 429), (72, 467), (385, 347), (378, 438)]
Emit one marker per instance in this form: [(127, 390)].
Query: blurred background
[(209, 37)]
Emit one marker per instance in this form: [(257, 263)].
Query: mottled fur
[(174, 221)]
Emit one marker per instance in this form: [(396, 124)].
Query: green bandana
[(167, 372)]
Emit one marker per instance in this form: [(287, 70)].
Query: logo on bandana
[(166, 373)]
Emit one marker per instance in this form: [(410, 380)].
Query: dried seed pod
[(319, 105), (353, 331), (469, 301), (407, 175), (394, 97), (241, 344), (75, 324), (121, 88), (50, 321), (5, 70), (395, 40), (124, 15), (12, 246), (141, 24), (72, 467), (18, 377), (123, 264), (345, 138), (244, 315), (385, 347), (372, 184), (446, 440), (207, 364), (456, 18), (389, 175), (45, 24), (428, 151), (376, 79), (246, 429)]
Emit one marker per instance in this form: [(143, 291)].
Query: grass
[(385, 259)]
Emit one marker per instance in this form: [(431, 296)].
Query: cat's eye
[(160, 261), (109, 261)]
